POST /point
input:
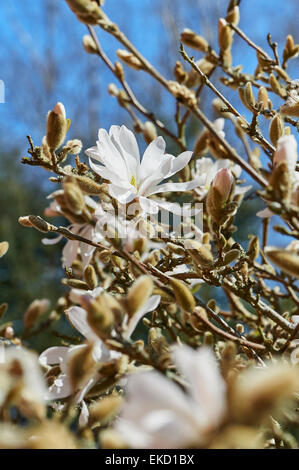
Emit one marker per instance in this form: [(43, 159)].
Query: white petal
[(152, 157), (177, 187), (69, 253), (207, 386), (265, 213), (53, 356), (180, 162), (123, 195), (84, 415), (148, 205), (78, 319), (51, 241), (149, 306)]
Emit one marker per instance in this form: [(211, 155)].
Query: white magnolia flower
[(61, 355), (209, 168), (73, 247), (34, 387), (132, 179), (158, 414), (286, 151)]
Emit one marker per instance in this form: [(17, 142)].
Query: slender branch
[(133, 100)]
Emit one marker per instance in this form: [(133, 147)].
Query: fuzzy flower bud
[(3, 248), (191, 39), (35, 311), (56, 126), (89, 44), (225, 35), (276, 129), (139, 294), (130, 59)]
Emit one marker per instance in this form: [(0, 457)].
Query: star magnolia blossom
[(132, 179), (61, 355), (209, 168), (286, 151), (71, 248), (34, 387), (158, 414)]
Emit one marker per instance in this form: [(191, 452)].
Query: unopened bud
[(233, 16), (34, 312), (130, 59), (89, 44), (90, 277), (225, 35), (191, 39), (104, 410), (200, 254), (56, 127), (80, 366), (276, 129), (249, 96), (183, 295), (73, 196), (149, 132), (253, 249), (286, 260), (139, 294), (3, 248), (73, 147), (39, 223), (263, 97)]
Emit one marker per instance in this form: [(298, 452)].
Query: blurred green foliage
[(29, 270)]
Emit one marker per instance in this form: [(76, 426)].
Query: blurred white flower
[(158, 414), (34, 387), (286, 151), (132, 179), (61, 355)]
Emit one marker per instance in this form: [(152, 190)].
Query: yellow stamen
[(133, 181)]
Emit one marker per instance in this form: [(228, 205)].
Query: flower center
[(133, 182)]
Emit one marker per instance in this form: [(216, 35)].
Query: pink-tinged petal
[(265, 213), (152, 157), (207, 386), (51, 241), (286, 151), (148, 205), (123, 195), (150, 305), (78, 318), (53, 356), (69, 252), (84, 416)]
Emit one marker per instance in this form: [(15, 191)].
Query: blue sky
[(41, 39), (30, 37)]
